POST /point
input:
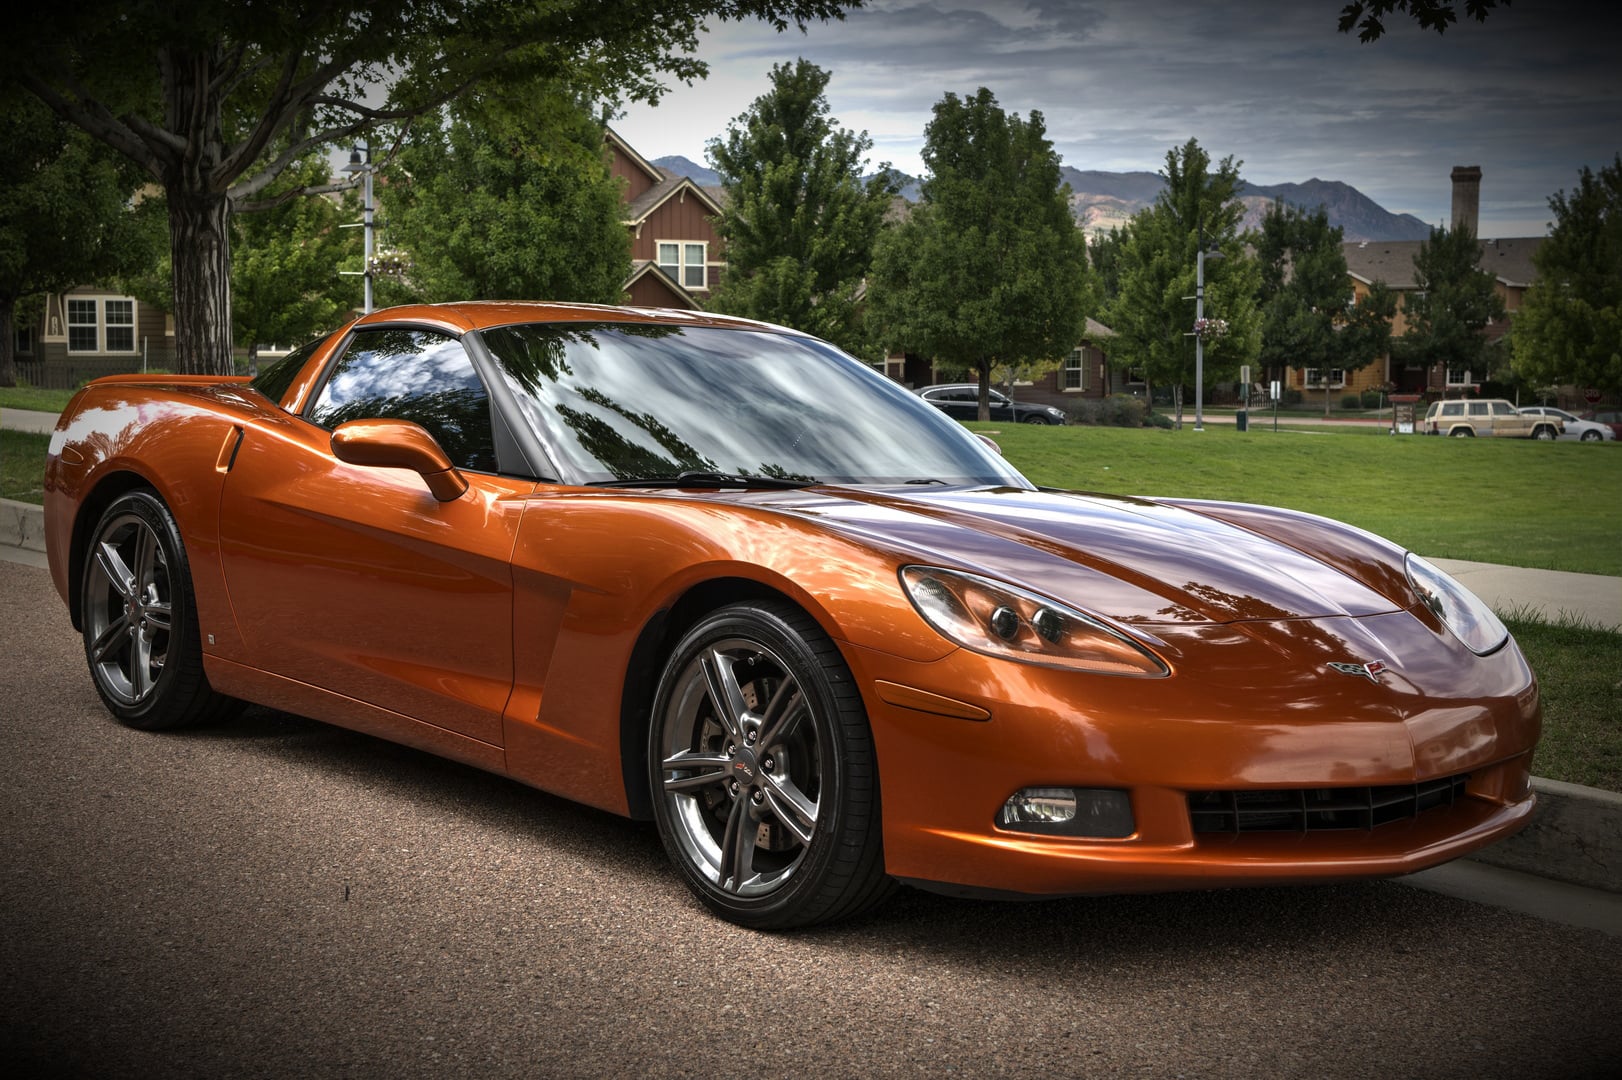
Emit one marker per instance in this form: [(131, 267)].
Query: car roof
[(462, 316)]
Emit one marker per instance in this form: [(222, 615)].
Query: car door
[(1508, 423), (1002, 407), (356, 579)]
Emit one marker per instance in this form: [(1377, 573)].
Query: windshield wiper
[(704, 478)]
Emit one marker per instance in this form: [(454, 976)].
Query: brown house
[(676, 254), (87, 332), (1085, 372), (1392, 261)]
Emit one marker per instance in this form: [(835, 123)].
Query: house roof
[(1097, 331), (627, 151), (1392, 261), (642, 207), (641, 268)]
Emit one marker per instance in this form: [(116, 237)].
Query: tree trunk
[(200, 254), (984, 412), (8, 340)]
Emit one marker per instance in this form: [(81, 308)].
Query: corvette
[(720, 575)]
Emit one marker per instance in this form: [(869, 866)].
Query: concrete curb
[(1575, 836), (22, 525)]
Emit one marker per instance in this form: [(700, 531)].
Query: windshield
[(623, 402)]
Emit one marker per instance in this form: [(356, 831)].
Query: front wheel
[(1036, 418), (1591, 436), (763, 773), (140, 626)]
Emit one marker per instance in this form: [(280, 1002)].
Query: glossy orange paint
[(344, 576)]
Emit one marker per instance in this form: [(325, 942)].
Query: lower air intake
[(1311, 809)]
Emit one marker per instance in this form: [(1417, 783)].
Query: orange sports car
[(721, 575)]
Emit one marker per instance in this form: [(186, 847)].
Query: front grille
[(1309, 809)]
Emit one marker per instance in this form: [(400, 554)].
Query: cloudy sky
[(1531, 96)]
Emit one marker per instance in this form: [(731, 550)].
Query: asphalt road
[(281, 898)]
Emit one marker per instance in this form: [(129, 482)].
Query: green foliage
[(1155, 271), (1452, 304), (511, 199), (215, 101), (1117, 410), (1569, 327), (285, 285), (799, 224), (1367, 16), (1579, 672), (989, 269), (65, 214)]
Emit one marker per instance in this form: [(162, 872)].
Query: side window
[(1453, 408), (414, 375), (1479, 408), (1503, 408), (274, 380)]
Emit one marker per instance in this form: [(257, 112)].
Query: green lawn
[(28, 397), (1555, 506), (22, 465), (1580, 671)]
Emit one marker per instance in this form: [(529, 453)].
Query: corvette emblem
[(1370, 671)]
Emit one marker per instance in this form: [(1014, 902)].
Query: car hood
[(1139, 561)]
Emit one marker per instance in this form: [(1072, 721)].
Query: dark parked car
[(961, 401), (1611, 418)]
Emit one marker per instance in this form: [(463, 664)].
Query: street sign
[(1592, 396)]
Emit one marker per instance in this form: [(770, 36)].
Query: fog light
[(1104, 813)]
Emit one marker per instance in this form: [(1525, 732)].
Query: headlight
[(1471, 621), (1000, 620)]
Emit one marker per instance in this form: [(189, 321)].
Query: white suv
[(1490, 416)]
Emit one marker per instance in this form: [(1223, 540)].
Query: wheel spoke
[(158, 616), (782, 713), (725, 693), (146, 558), (112, 564), (797, 813), (714, 770), (141, 665), (109, 640), (738, 848)]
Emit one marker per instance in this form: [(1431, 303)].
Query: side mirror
[(399, 444)]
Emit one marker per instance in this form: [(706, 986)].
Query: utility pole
[(1199, 319), (364, 166)]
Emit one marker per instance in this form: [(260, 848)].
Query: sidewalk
[(26, 420)]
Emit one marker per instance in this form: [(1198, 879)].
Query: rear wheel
[(140, 626), (1462, 433), (1544, 433), (763, 773)]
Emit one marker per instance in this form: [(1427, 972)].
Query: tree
[(214, 101), (989, 268), (1152, 313), (1569, 327), (1310, 317), (1368, 16), (510, 199), (1452, 303), (800, 224), (285, 285), (65, 215)]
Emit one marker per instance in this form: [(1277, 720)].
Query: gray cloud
[(1530, 96)]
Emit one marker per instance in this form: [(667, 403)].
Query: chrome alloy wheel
[(128, 605), (741, 767)]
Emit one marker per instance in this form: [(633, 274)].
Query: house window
[(684, 262), (82, 328), (25, 341), (101, 324), (1075, 371), (1458, 376), (1337, 378)]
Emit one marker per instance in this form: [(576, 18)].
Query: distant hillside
[(1103, 200)]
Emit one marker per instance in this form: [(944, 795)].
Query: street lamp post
[(1199, 338), (364, 167)]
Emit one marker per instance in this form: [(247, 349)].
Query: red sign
[(1591, 396)]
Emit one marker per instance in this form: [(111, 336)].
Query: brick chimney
[(1467, 197)]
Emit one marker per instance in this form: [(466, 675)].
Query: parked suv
[(961, 401), (1489, 416)]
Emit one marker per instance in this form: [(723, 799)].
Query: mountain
[(693, 170), (1103, 200)]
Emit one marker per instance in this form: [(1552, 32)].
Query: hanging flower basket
[(390, 263), (1210, 329)]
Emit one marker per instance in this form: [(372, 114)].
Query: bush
[(1352, 402), (1121, 410), (1161, 420), (1292, 398), (1371, 399)]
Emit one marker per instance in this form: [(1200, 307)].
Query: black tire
[(1462, 433), (1035, 418), (1592, 436), (140, 624), (1544, 433), (772, 817)]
